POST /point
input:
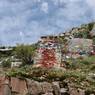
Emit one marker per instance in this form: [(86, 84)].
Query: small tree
[(6, 63), (25, 53)]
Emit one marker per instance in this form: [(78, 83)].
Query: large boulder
[(73, 91), (5, 88), (34, 87), (18, 86), (1, 86), (46, 87), (56, 88), (64, 91), (81, 92)]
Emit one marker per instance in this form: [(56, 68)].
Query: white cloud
[(91, 3), (44, 7), (29, 19)]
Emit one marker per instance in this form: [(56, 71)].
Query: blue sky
[(24, 21)]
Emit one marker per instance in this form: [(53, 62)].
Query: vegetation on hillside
[(84, 31), (79, 72), (25, 53)]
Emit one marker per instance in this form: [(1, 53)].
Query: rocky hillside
[(75, 77), (86, 31)]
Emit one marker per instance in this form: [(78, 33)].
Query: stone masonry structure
[(48, 52)]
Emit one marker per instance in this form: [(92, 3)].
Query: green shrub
[(92, 67), (6, 63), (85, 62)]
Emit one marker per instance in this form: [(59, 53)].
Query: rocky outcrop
[(16, 86), (34, 87), (56, 88), (5, 88)]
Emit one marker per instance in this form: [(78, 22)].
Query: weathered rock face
[(16, 86), (56, 88), (4, 86), (74, 91), (46, 87), (13, 86), (81, 92), (7, 90), (1, 86), (34, 88)]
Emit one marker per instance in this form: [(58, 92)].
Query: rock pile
[(16, 86)]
